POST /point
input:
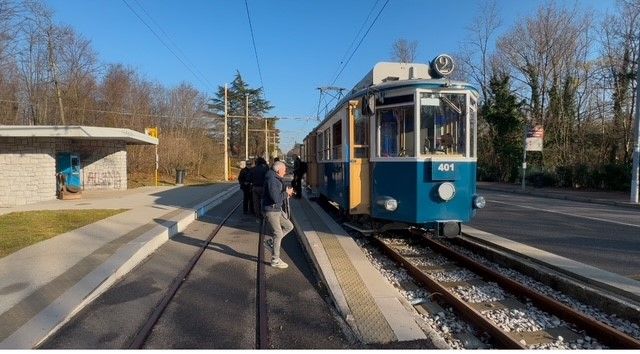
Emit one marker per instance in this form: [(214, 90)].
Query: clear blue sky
[(300, 43)]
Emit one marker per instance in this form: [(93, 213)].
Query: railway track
[(138, 340), (512, 314)]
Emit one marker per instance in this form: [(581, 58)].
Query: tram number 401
[(446, 167)]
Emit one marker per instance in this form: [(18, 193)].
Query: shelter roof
[(76, 132)]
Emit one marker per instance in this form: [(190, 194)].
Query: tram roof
[(418, 83)]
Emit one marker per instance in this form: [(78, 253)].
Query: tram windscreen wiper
[(451, 104)]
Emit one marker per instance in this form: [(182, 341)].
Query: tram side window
[(396, 132), (361, 135), (336, 152), (327, 144), (319, 147)]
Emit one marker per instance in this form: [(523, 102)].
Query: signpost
[(533, 141), (154, 133)]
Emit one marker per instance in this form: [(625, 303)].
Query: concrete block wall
[(28, 167), (27, 170)]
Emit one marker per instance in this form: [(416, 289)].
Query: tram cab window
[(395, 130), (442, 124)]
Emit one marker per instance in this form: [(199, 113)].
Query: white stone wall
[(27, 170), (104, 163), (28, 167)]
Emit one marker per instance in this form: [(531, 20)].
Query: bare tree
[(477, 53), (404, 51), (544, 52)]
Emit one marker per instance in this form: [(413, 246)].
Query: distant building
[(30, 157)]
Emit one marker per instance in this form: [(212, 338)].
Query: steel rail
[(262, 314), (139, 339), (607, 334), (462, 307)]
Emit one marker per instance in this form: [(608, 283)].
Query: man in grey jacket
[(274, 196)]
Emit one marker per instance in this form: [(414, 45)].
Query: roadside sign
[(535, 138), (151, 132)]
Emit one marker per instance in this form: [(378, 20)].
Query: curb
[(99, 280), (562, 197)]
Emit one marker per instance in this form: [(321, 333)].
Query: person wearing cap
[(244, 178), (275, 194)]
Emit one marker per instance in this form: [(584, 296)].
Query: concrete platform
[(375, 310), (43, 285)]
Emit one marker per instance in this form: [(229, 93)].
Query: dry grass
[(21, 229)]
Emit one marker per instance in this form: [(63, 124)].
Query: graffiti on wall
[(104, 179)]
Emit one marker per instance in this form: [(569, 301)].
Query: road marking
[(568, 214)]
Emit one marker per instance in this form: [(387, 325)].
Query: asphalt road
[(607, 237)]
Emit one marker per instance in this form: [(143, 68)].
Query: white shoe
[(278, 263)]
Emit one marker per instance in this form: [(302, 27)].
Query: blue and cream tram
[(400, 148)]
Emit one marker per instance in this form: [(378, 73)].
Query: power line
[(255, 51), (359, 43), (355, 37), (165, 44), (174, 44)]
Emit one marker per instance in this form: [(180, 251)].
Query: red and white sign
[(535, 137)]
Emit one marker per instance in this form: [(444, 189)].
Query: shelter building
[(31, 156)]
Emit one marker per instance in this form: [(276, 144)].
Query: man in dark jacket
[(258, 173), (274, 196), (244, 178)]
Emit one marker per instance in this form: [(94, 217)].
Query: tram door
[(360, 190)]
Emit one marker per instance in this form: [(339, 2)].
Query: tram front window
[(442, 124), (396, 133)]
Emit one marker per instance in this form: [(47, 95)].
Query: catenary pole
[(636, 145), (226, 153)]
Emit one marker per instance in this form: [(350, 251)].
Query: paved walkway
[(44, 284), (599, 197)]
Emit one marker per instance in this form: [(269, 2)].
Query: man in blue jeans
[(274, 196)]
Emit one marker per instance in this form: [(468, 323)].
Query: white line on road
[(568, 214)]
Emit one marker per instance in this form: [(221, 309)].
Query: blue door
[(69, 165)]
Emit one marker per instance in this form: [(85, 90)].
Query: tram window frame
[(319, 146), (361, 135), (441, 131), (326, 153), (336, 140), (473, 126), (404, 116)]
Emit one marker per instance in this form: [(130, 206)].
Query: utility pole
[(226, 153), (246, 127), (636, 145), (266, 140), (54, 72)]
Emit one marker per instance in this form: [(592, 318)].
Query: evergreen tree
[(503, 114), (258, 107)]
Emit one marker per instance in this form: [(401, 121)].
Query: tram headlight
[(391, 204), (479, 202), (388, 203), (446, 191)]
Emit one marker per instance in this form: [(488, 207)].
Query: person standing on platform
[(258, 173), (244, 178), (299, 169), (275, 194)]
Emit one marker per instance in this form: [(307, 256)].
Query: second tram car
[(400, 149)]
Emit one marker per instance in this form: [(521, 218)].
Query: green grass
[(21, 229)]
